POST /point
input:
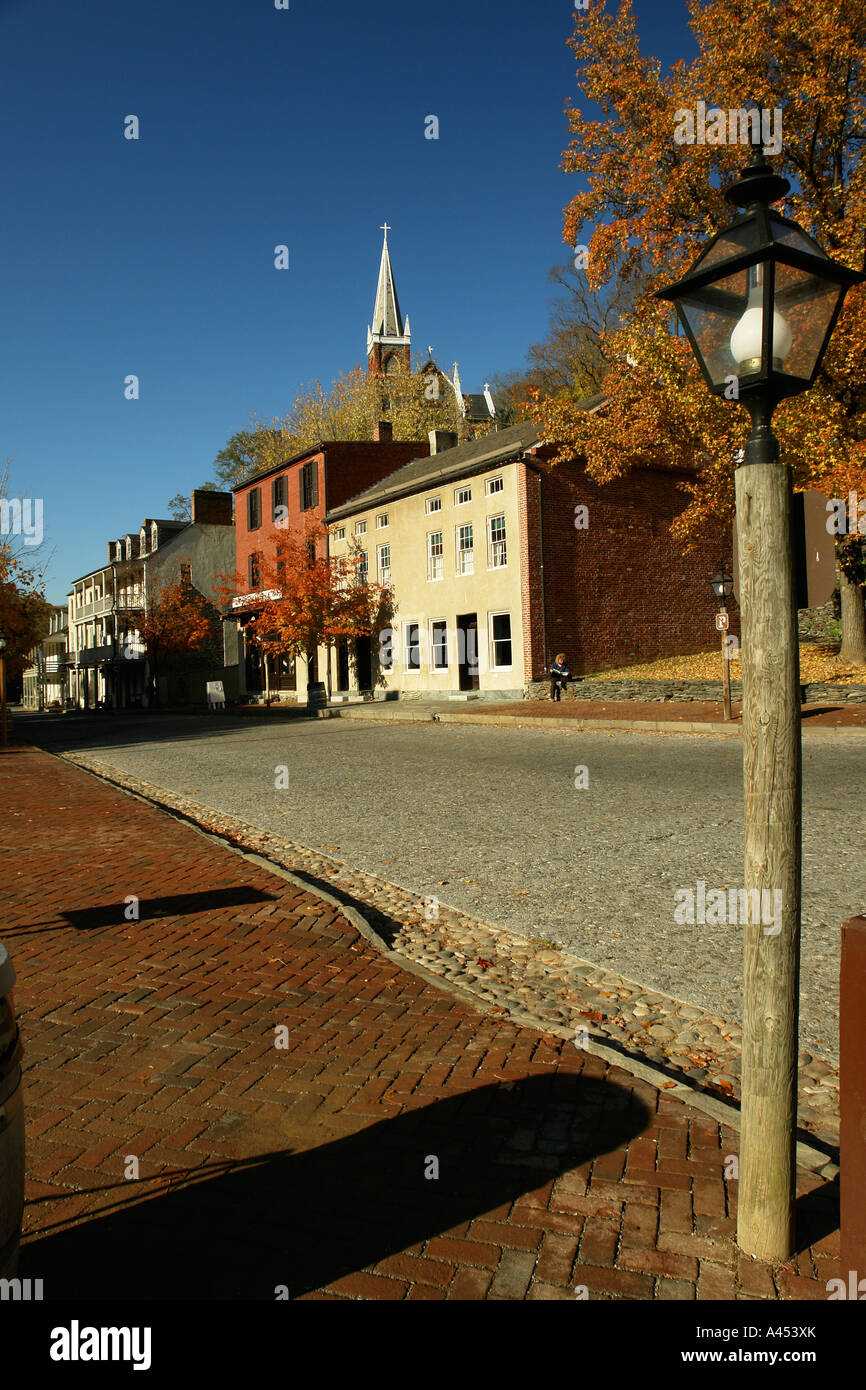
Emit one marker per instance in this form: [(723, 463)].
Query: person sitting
[(559, 676)]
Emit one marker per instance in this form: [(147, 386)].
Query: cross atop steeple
[(388, 340)]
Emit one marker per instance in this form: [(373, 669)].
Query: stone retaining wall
[(652, 691)]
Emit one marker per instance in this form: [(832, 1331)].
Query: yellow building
[(448, 534)]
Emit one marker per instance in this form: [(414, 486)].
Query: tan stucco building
[(448, 534)]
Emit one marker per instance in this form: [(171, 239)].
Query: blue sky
[(258, 127)]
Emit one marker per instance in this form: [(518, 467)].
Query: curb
[(578, 725), (811, 1153)]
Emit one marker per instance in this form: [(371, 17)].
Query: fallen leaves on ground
[(818, 662)]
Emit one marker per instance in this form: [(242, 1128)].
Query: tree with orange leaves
[(312, 598), (177, 619), (653, 202)]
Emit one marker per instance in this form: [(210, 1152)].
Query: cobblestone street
[(234, 1092)]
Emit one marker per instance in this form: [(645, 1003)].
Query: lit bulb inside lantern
[(747, 338)]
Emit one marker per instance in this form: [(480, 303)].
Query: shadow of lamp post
[(759, 306)]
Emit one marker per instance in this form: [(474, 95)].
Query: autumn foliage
[(306, 598), (647, 206), (178, 619)]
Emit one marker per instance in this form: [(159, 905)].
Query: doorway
[(364, 663), (343, 664), (467, 650)]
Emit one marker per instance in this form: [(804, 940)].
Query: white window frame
[(434, 622), (364, 567), (491, 543), (461, 551), (383, 571), (339, 533), (463, 501), (381, 521), (432, 559), (500, 613), (433, 504), (360, 528), (489, 488), (407, 647)]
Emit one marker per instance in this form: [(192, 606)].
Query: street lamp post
[(3, 735), (759, 306), (723, 585)]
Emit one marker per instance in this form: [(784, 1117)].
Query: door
[(364, 663), (343, 664), (467, 650)]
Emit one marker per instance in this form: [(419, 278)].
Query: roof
[(387, 320), (422, 473)]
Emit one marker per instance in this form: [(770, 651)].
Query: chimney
[(383, 432), (211, 508), (441, 440)]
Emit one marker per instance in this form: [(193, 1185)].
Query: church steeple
[(389, 338)]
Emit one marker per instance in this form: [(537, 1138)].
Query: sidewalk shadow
[(171, 905), (304, 1219)]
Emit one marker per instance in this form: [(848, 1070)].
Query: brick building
[(498, 560), (297, 494)]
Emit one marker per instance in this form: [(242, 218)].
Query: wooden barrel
[(11, 1125)]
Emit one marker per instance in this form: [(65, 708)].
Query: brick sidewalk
[(310, 1166)]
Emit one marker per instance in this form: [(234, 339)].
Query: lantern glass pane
[(797, 238), (710, 315), (732, 242), (807, 303)]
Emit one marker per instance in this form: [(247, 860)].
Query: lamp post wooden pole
[(772, 774)]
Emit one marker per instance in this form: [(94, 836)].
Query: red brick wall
[(621, 591), (531, 594), (344, 469)]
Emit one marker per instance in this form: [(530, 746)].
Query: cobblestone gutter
[(529, 980)]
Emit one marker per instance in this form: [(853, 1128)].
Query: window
[(360, 528), (440, 646), (381, 521), (142, 542), (465, 552), (496, 556), (281, 562), (500, 641), (384, 563), (311, 552), (435, 555), (411, 647), (254, 571), (254, 509), (433, 504), (339, 533), (280, 498), (362, 568), (494, 485), (462, 495), (309, 485), (386, 648)]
